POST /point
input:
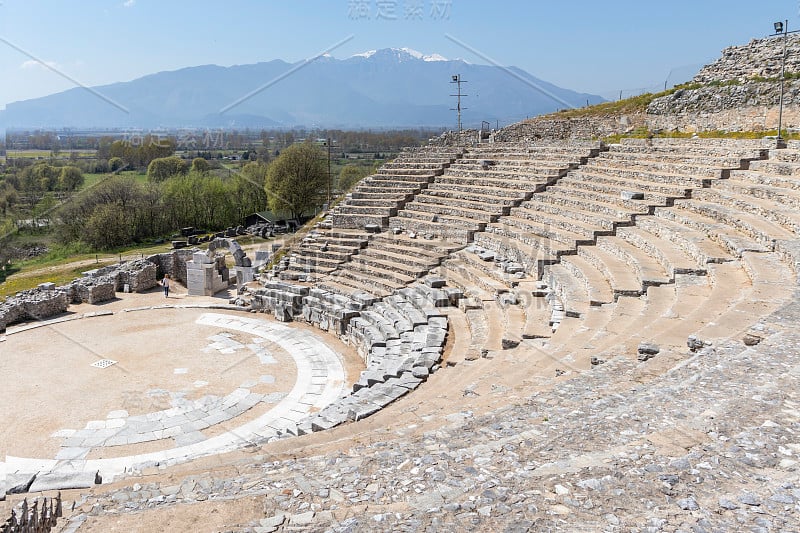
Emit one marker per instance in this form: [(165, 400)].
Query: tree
[(163, 168), (8, 196), (70, 179), (141, 153), (121, 195), (109, 226), (115, 163), (200, 165), (350, 175), (42, 210), (297, 179), (248, 189), (39, 178)]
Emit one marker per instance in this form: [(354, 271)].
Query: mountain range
[(392, 87)]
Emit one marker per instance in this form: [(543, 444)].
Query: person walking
[(165, 284)]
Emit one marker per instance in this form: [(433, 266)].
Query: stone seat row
[(594, 201), (389, 262), (380, 196), (454, 206), (617, 268), (474, 192), (321, 252), (748, 248), (401, 338)]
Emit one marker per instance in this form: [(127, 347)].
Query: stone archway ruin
[(207, 274), (239, 256)]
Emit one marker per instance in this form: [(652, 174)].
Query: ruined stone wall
[(745, 107), (173, 263), (561, 129), (760, 57), (140, 275), (456, 138), (98, 287), (751, 103), (756, 118), (90, 290), (35, 304)]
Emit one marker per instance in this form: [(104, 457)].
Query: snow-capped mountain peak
[(365, 55), (401, 53)]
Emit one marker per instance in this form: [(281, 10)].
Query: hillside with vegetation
[(81, 196)]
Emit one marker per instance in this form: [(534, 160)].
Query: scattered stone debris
[(696, 344), (647, 351), (508, 344), (751, 340)]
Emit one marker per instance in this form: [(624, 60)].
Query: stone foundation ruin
[(207, 273)]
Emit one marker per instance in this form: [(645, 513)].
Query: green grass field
[(63, 155), (65, 263), (90, 180)]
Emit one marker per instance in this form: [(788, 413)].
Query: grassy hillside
[(637, 105)]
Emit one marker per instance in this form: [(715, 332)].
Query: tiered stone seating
[(741, 231), (321, 252), (491, 309), (389, 262), (486, 183), (402, 340), (378, 197), (479, 268), (579, 283), (761, 203), (615, 291), (608, 192), (643, 243)]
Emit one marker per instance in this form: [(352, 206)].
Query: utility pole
[(329, 173), (782, 28), (458, 81), (783, 77)]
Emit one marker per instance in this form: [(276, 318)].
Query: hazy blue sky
[(598, 47)]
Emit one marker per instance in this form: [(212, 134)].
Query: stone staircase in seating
[(387, 263), (380, 196), (321, 252), (487, 182)]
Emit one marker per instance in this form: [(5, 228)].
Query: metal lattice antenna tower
[(458, 81)]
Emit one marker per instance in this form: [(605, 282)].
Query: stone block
[(647, 351), (65, 481), (283, 313), (319, 423), (632, 195), (273, 521), (302, 519), (695, 343), (420, 372), (362, 410), (435, 282), (18, 483)]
